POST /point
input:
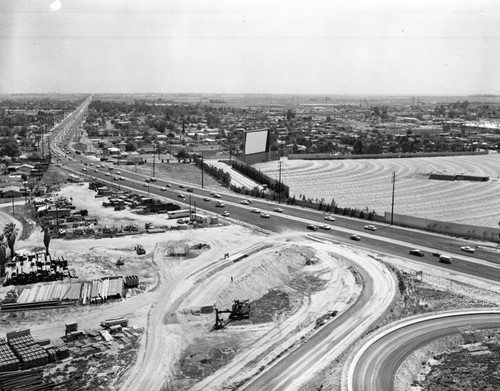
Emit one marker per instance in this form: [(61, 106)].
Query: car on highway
[(206, 199), (145, 184), (255, 210), (355, 237), (107, 174), (445, 259), (212, 193), (180, 195), (96, 170), (326, 227), (217, 195), (115, 178), (220, 205), (329, 218), (312, 227), (182, 186), (121, 178), (417, 252), (468, 249), (370, 227), (279, 210), (245, 202), (265, 215), (84, 169), (189, 190), (118, 173), (225, 214), (163, 188)]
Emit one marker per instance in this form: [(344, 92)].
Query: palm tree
[(3, 253), (10, 231), (46, 240)]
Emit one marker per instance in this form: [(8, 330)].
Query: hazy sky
[(251, 46)]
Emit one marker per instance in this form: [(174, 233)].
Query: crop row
[(368, 184)]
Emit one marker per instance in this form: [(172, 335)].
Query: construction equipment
[(239, 310), (120, 262), (140, 250)]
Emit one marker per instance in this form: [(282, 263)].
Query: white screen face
[(255, 142)]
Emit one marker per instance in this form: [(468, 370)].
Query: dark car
[(355, 237), (417, 252), (312, 227)]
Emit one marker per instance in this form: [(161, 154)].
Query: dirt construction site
[(293, 284)]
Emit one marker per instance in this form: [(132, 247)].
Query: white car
[(370, 227), (220, 205), (206, 199), (329, 218), (326, 227), (225, 214), (163, 188), (265, 215), (468, 249), (216, 195), (245, 202), (107, 174), (255, 210), (279, 210)]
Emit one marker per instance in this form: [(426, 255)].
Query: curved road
[(375, 367), (297, 368)]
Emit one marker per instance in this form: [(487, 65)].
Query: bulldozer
[(239, 310), (140, 250)]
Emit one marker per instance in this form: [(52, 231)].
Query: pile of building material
[(98, 291), (64, 291), (35, 267), (32, 380), (29, 352), (8, 360), (61, 294)]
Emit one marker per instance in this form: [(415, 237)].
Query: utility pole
[(393, 188), (279, 183), (154, 156), (202, 170)]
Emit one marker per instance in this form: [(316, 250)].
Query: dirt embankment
[(467, 361)]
